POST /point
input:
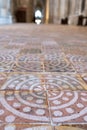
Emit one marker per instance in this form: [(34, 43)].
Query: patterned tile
[(27, 66), (79, 62), (30, 57), (62, 81), (23, 107), (23, 81), (68, 107), (59, 65), (24, 127)]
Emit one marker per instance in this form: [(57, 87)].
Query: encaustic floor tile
[(79, 62), (23, 107), (30, 57), (24, 81), (68, 107), (66, 81), (27, 66), (25, 127), (59, 65), (78, 127)]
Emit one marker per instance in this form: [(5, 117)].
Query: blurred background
[(72, 12)]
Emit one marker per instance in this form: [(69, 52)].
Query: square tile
[(61, 81), (27, 66), (59, 65), (23, 107), (68, 107)]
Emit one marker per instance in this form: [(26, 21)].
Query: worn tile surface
[(43, 77)]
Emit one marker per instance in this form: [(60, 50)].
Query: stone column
[(56, 11), (85, 13), (73, 19), (85, 10), (51, 8), (47, 12)]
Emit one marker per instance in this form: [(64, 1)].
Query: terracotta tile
[(63, 81), (24, 81), (25, 127), (68, 128), (23, 107), (68, 107), (27, 66)]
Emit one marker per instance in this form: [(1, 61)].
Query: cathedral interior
[(43, 64)]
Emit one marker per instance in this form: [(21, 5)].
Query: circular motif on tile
[(40, 112), (28, 66), (39, 101), (79, 105), (30, 103), (26, 109), (59, 65), (6, 59), (56, 102), (72, 110), (69, 110), (1, 112), (10, 127), (16, 105), (58, 113), (64, 82), (85, 118), (10, 119)]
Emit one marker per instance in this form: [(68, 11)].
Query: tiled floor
[(43, 77)]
